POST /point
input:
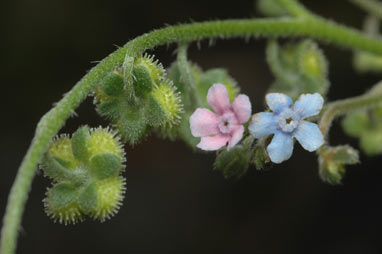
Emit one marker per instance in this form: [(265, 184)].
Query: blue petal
[(308, 105), (262, 124), (278, 101), (309, 136), (281, 147)]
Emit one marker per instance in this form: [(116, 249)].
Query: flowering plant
[(139, 97)]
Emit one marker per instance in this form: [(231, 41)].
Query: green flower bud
[(153, 67), (235, 162), (60, 204), (110, 193), (332, 161), (371, 141), (298, 68), (170, 102), (214, 76), (270, 8), (354, 124), (86, 169)]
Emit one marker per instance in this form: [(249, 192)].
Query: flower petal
[(262, 124), (217, 98), (309, 136), (242, 108), (213, 143), (281, 147), (278, 101), (203, 122), (308, 105), (237, 135)]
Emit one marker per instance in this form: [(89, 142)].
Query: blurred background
[(175, 202)]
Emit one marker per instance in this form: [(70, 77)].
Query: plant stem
[(341, 107), (51, 123), (187, 77), (371, 6)]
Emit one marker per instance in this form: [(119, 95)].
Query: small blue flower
[(287, 121)]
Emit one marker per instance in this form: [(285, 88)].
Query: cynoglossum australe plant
[(136, 86)]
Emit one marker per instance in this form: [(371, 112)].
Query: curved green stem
[(186, 75), (341, 107), (56, 117), (371, 6)]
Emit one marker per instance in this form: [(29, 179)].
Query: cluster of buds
[(154, 102), (86, 173)]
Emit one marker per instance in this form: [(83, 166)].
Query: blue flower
[(287, 121)]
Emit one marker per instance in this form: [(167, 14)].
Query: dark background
[(175, 202)]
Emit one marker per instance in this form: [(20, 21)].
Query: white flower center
[(227, 122), (288, 120)]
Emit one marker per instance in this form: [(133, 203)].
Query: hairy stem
[(186, 75), (51, 123), (371, 6), (341, 107)]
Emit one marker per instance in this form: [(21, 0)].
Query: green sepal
[(354, 124), (234, 162), (59, 169), (142, 80), (110, 109), (62, 194), (154, 114), (80, 144), (87, 200), (260, 156), (112, 84), (105, 165), (132, 128), (332, 161)]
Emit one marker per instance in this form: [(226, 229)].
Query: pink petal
[(242, 108), (213, 143), (203, 122), (236, 136), (217, 98)]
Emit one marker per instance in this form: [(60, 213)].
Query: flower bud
[(170, 102), (110, 193), (332, 161), (61, 204)]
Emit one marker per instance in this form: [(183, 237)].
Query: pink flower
[(224, 126)]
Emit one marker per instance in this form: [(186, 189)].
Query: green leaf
[(80, 143), (87, 200), (105, 165), (62, 194)]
